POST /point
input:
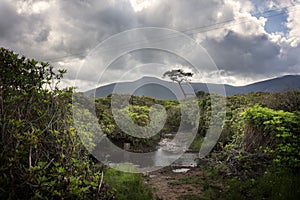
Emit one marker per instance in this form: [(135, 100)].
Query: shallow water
[(162, 157), (185, 160)]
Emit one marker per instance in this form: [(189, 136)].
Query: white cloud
[(31, 6), (139, 5), (294, 25)]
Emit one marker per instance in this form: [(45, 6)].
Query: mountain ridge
[(163, 89)]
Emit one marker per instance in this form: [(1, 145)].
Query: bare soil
[(162, 183)]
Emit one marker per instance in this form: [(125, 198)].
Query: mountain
[(161, 89)]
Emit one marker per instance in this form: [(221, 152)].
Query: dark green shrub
[(275, 185), (40, 155)]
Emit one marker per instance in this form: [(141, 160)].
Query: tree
[(179, 76)]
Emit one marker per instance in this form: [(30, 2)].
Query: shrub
[(41, 157), (279, 131)]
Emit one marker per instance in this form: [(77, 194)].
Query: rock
[(181, 170)]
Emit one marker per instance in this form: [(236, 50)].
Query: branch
[(30, 152), (101, 180)]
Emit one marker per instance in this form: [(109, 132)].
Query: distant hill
[(161, 89)]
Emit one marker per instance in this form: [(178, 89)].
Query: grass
[(127, 185)]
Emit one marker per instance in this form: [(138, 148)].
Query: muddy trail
[(193, 184)]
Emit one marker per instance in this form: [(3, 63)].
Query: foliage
[(138, 110), (41, 157), (259, 128), (139, 114), (271, 185), (179, 76), (197, 143), (278, 131)]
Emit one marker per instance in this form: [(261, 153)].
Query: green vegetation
[(139, 109), (277, 131), (41, 156), (127, 185), (139, 114), (271, 185), (260, 137), (196, 144), (258, 153)]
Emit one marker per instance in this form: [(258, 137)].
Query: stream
[(185, 160), (166, 154)]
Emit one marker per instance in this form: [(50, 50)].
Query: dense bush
[(274, 185), (40, 155), (277, 131), (139, 112), (260, 145)]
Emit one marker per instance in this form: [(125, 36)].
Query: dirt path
[(168, 185)]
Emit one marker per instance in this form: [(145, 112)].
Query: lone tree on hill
[(179, 76)]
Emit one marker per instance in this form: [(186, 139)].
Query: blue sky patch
[(277, 18), (276, 21)]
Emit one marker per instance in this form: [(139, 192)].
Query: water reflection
[(145, 161)]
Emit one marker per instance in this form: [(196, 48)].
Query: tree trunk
[(182, 90)]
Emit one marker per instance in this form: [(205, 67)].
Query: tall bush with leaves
[(279, 130), (40, 155)]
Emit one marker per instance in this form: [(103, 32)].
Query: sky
[(246, 40)]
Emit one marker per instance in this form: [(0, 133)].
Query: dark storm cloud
[(291, 60), (9, 20), (22, 32), (245, 55), (43, 35), (102, 17), (144, 56)]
